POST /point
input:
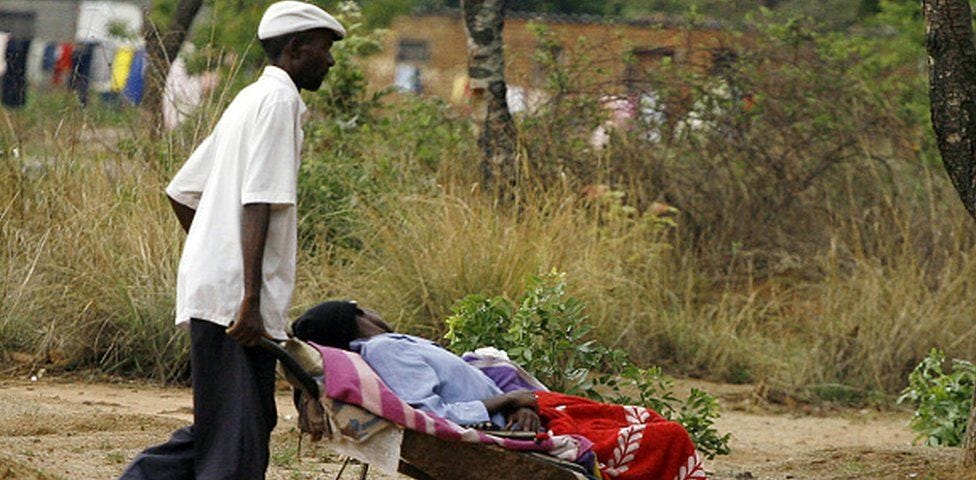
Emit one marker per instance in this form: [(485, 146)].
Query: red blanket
[(629, 442)]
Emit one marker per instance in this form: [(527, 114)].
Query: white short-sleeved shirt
[(252, 156)]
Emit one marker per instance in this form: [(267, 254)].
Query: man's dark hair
[(274, 46), (330, 324)]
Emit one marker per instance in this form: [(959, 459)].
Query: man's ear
[(291, 48)]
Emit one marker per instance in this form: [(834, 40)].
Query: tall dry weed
[(428, 251), (88, 246), (869, 326), (93, 267)]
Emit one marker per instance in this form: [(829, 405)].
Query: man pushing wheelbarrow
[(235, 198)]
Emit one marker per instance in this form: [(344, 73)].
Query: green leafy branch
[(941, 399), (547, 333)]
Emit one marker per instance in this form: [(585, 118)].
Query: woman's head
[(336, 323)]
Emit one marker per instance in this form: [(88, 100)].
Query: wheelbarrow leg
[(362, 472), (413, 472), (342, 468)]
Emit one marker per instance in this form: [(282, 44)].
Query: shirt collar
[(279, 75), (357, 344)]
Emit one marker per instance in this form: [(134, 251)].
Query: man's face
[(313, 59)]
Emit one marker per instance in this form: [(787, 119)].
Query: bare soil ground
[(75, 430)]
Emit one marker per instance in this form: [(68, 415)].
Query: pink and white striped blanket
[(350, 380)]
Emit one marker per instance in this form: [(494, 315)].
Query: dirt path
[(56, 429)]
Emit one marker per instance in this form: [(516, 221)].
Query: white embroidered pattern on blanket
[(628, 441), (694, 470)]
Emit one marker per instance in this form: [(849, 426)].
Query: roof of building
[(662, 21)]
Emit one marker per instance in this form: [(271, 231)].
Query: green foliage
[(832, 13), (547, 333), (336, 186), (119, 29), (224, 32), (344, 96), (890, 50), (351, 167), (380, 13), (942, 399), (561, 128)]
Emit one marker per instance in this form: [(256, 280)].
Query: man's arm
[(249, 327), (183, 213), (186, 188)]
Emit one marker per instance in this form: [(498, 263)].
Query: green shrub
[(942, 400), (350, 168), (547, 333)]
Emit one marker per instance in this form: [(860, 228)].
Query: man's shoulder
[(252, 104), (261, 94), (273, 89)]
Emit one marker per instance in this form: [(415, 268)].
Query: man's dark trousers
[(233, 415)]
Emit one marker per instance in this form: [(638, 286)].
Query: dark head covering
[(330, 324)]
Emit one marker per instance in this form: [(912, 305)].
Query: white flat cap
[(292, 16)]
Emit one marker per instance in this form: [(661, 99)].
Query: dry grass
[(89, 255)]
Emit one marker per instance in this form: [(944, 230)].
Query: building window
[(413, 50), (18, 24), (646, 65)]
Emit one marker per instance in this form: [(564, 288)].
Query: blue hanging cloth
[(134, 85), (49, 57)]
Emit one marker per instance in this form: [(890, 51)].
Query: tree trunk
[(952, 89), (483, 22), (161, 50)]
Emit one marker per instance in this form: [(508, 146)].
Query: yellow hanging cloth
[(121, 66)]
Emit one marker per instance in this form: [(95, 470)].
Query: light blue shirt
[(430, 378)]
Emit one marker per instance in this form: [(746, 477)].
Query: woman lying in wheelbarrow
[(629, 442)]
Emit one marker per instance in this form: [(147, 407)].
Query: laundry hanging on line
[(62, 65), (14, 82), (133, 85)]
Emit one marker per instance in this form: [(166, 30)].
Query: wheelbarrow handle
[(308, 382)]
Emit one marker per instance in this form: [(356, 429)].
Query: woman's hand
[(523, 419)]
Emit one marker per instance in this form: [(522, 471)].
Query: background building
[(69, 20), (427, 53)]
